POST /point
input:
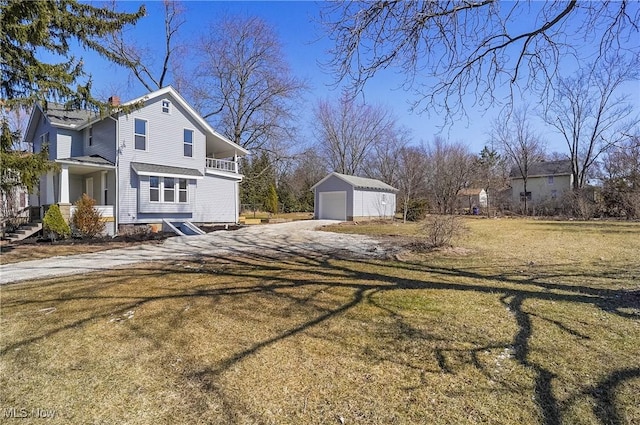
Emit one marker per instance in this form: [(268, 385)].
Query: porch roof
[(143, 169), (86, 164)]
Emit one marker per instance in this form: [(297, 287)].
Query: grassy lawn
[(533, 322)]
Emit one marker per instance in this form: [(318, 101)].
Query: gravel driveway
[(271, 240)]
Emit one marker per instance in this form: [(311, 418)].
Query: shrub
[(87, 220), (54, 224), (271, 202), (417, 209), (440, 230)]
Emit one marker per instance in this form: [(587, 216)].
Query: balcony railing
[(222, 165)]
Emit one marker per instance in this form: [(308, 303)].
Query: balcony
[(221, 165)]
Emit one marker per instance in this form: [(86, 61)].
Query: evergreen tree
[(272, 199), (258, 175), (29, 29)]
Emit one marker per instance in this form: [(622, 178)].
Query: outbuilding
[(350, 198)]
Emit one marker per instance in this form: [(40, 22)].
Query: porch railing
[(222, 165)]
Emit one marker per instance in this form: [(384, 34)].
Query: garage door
[(333, 206)]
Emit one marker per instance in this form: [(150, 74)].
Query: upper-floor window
[(140, 134), (550, 180), (166, 106), (188, 142), (90, 136), (44, 139)]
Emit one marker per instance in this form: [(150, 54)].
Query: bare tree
[(519, 144), (412, 172), (384, 162), (450, 168), (621, 191), (592, 114), (244, 85), (349, 132), (472, 47), (142, 61)]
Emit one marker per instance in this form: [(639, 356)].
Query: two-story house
[(546, 181), (158, 161)]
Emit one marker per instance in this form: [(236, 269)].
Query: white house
[(158, 161), (342, 197), (546, 181)]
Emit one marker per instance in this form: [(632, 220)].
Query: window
[(44, 139), (90, 136), (169, 189), (188, 142), (522, 196), (182, 190), (550, 180), (154, 189), (166, 106), (163, 189), (140, 134), (554, 194)]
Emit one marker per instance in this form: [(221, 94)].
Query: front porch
[(94, 176)]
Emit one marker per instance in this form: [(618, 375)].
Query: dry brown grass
[(18, 252), (536, 323)]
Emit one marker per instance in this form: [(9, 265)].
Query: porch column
[(64, 184), (49, 192), (103, 188), (235, 162)]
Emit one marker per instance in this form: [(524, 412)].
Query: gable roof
[(228, 148), (545, 168), (77, 119), (359, 182)]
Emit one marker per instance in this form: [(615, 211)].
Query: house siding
[(165, 146), (369, 203), (104, 140), (219, 200), (540, 188)]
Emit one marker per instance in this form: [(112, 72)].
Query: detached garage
[(347, 198)]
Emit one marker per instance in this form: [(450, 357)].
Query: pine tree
[(30, 28), (272, 199)]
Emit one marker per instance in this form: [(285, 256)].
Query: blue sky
[(305, 47)]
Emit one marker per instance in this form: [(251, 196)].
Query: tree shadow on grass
[(364, 278)]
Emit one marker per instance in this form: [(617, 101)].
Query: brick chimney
[(114, 101)]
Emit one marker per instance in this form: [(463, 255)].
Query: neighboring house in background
[(342, 197), (469, 198), (159, 161), (547, 181)]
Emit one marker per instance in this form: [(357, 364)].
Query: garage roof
[(359, 182)]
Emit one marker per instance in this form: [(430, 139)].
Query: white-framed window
[(140, 134), (169, 190), (183, 191), (44, 139), (164, 190), (154, 189), (166, 106), (188, 142), (524, 196), (550, 180), (90, 136)]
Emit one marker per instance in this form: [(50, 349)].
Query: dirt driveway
[(271, 240)]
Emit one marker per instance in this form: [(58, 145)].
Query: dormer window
[(166, 106)]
